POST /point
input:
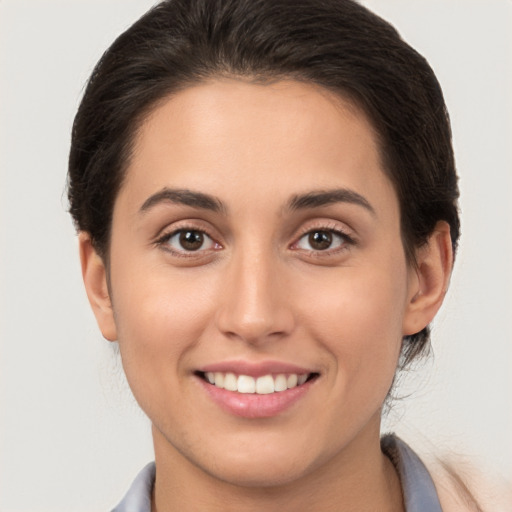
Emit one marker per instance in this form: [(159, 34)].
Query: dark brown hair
[(336, 44)]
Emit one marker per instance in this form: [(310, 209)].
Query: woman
[(267, 205)]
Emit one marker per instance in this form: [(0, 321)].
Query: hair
[(336, 44)]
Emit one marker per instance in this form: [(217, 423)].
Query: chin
[(261, 473), (251, 459), (266, 462)]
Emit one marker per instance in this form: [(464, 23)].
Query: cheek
[(159, 317), (357, 318)]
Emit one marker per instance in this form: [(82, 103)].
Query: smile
[(263, 385), (253, 390)]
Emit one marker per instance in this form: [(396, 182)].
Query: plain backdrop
[(71, 436)]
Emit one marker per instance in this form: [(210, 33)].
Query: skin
[(257, 290)]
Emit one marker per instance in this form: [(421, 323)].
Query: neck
[(360, 478)]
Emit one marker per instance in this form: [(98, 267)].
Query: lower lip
[(252, 405)]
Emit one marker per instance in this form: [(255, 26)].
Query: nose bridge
[(254, 306)]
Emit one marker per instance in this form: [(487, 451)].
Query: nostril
[(255, 329)]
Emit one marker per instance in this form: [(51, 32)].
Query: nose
[(254, 305)]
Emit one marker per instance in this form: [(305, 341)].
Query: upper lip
[(254, 369)]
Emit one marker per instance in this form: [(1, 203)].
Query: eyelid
[(329, 226), (326, 225), (165, 234)]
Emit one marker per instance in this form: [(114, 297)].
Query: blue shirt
[(418, 489)]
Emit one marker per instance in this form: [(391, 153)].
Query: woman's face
[(256, 243)]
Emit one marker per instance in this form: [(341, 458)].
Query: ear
[(94, 275), (429, 280)]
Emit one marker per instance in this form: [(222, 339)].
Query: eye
[(188, 240), (322, 240)]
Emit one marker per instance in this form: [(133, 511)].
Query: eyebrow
[(203, 201), (320, 198), (183, 196)]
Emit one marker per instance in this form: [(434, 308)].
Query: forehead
[(285, 137)]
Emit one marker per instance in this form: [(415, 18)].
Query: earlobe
[(94, 275), (430, 281)]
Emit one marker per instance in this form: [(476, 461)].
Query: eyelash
[(163, 242), (346, 242)]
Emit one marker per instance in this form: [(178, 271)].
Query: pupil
[(191, 240), (320, 240)]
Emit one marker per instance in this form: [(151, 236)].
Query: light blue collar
[(418, 488)]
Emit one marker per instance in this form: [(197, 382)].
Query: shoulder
[(138, 496), (451, 481), (461, 487)]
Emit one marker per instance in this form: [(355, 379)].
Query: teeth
[(263, 385), (230, 382), (280, 383), (219, 379), (291, 381), (246, 384)]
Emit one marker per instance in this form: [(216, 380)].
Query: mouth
[(262, 385)]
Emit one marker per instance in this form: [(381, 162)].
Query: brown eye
[(320, 240), (188, 240), (323, 240), (191, 240)]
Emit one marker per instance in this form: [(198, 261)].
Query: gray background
[(71, 437)]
